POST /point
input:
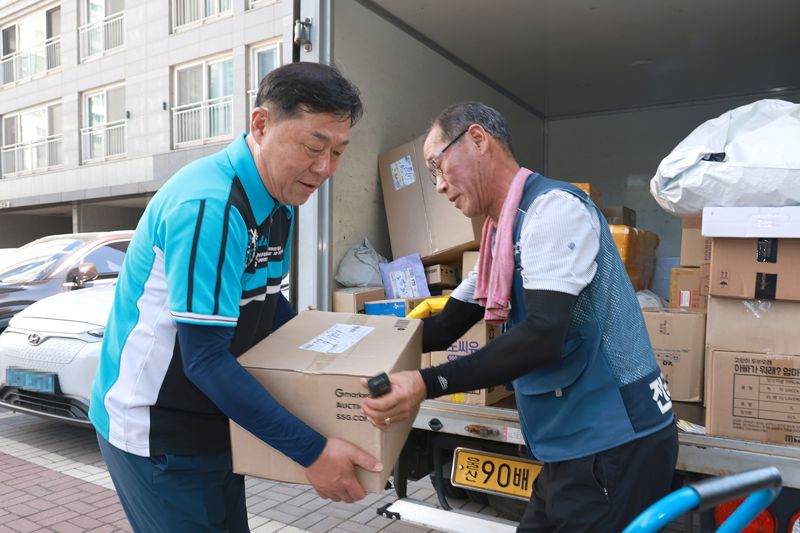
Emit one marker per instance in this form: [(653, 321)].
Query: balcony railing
[(203, 121), (31, 157), (103, 141), (99, 38), (190, 12), (25, 64)]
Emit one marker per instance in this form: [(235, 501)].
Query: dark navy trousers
[(176, 494)]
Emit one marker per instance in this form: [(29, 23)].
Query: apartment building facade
[(102, 100)]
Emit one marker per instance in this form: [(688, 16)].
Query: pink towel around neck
[(496, 270)]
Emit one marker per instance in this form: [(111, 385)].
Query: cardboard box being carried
[(754, 396), (420, 219), (688, 287), (695, 249), (313, 366), (764, 269), (678, 339), (477, 337), (352, 299)]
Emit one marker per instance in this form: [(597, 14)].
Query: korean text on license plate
[(494, 473)]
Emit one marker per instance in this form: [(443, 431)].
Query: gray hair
[(458, 117)]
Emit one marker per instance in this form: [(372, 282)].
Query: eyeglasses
[(433, 162)]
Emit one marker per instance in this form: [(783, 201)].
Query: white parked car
[(50, 351)]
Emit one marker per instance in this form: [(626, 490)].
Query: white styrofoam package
[(761, 164), (752, 222)]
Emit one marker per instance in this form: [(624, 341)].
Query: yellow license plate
[(493, 473)]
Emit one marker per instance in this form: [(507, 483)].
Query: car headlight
[(97, 332)]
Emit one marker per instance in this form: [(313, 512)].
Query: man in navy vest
[(593, 405)]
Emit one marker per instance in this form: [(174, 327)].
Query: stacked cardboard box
[(352, 299), (678, 338), (473, 340), (753, 342), (420, 220), (689, 281)]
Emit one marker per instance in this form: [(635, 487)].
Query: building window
[(32, 140), (103, 28), (264, 59), (104, 124), (187, 13), (31, 46), (252, 4), (204, 98)]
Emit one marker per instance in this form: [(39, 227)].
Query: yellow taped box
[(313, 366), (637, 248), (477, 337)]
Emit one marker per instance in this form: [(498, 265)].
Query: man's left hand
[(401, 403)]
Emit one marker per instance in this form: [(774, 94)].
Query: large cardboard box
[(763, 268), (421, 220), (678, 339), (754, 396), (477, 337), (440, 276), (688, 288), (695, 248), (352, 299), (753, 326), (313, 366)]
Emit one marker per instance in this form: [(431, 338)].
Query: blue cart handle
[(762, 484)]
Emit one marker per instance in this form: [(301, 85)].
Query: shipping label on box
[(764, 269), (313, 367), (754, 397), (352, 299), (678, 339)]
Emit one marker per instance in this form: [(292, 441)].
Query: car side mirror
[(86, 272)]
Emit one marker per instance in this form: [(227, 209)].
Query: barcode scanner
[(379, 385)]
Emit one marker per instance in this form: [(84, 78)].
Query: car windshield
[(37, 260)]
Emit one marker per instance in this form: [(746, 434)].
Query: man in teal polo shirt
[(200, 286)]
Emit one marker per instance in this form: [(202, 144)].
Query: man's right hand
[(333, 473)]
